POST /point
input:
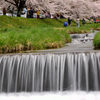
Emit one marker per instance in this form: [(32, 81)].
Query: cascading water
[(50, 72)]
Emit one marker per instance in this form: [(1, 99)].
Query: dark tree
[(19, 4)]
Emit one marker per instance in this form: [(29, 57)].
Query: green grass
[(32, 34), (37, 38), (26, 34), (96, 41)]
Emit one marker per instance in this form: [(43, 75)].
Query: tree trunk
[(19, 12)]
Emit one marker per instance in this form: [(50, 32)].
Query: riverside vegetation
[(96, 41), (17, 34)]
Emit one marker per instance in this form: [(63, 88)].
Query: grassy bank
[(96, 41), (32, 34), (33, 39)]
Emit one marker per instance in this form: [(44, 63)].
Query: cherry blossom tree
[(19, 4)]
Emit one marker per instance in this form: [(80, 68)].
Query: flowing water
[(65, 75), (50, 72), (80, 43)]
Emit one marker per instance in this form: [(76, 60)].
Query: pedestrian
[(4, 11), (31, 12), (38, 13), (49, 15), (46, 15), (83, 21), (95, 20), (92, 20), (58, 15), (25, 11), (69, 21), (28, 12), (78, 22)]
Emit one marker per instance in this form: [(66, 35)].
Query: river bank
[(19, 34)]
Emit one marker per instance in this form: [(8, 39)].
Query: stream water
[(80, 43), (68, 73)]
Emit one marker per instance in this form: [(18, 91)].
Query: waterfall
[(50, 72)]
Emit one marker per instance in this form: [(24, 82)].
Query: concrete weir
[(50, 72)]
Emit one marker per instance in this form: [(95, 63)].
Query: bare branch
[(10, 2)]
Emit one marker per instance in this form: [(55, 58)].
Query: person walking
[(69, 21), (83, 21), (4, 11), (31, 12), (78, 22), (46, 15), (28, 12), (95, 20), (25, 11), (38, 13)]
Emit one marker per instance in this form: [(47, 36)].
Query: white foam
[(51, 96)]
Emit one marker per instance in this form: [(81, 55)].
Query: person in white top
[(25, 11), (78, 22)]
